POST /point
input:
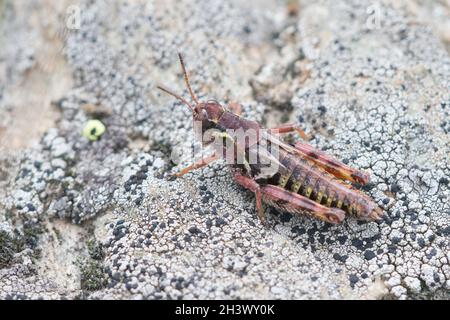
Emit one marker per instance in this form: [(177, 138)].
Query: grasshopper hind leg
[(197, 165), (294, 203), (325, 161), (331, 165), (252, 185), (287, 201)]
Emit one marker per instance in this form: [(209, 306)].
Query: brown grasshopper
[(306, 180)]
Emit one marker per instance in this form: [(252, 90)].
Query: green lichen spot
[(93, 276), (7, 249), (93, 129)]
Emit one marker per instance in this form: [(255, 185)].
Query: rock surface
[(98, 219)]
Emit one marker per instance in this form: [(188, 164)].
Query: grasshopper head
[(210, 111)]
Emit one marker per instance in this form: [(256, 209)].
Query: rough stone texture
[(100, 220)]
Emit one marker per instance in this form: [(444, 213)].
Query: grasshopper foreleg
[(199, 164)]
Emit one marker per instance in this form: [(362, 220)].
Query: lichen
[(380, 110), (8, 247), (92, 275)]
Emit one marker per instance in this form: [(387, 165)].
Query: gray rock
[(371, 89)]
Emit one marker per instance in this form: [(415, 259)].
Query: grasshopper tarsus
[(171, 177)]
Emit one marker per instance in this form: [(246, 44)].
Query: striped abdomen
[(302, 176)]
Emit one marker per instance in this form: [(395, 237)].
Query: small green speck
[(93, 129)]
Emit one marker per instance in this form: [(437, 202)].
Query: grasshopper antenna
[(186, 78), (177, 97)]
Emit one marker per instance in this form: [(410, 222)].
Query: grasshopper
[(306, 180)]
